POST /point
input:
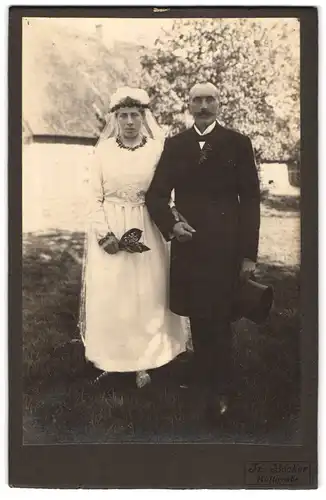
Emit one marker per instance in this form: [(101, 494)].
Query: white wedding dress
[(126, 324)]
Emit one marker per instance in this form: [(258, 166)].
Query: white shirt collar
[(207, 130)]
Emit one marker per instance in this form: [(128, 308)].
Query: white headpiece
[(138, 95), (131, 97)]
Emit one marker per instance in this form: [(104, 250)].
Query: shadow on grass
[(61, 403), (282, 203)]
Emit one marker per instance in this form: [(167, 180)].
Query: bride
[(125, 321)]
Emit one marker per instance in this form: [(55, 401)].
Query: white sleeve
[(97, 216)]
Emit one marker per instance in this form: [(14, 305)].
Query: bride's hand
[(111, 244)]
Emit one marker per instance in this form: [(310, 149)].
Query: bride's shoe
[(142, 378)]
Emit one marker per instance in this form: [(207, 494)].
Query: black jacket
[(217, 191)]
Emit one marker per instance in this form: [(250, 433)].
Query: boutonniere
[(204, 153)]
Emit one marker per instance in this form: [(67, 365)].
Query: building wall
[(55, 177)]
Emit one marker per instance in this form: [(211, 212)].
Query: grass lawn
[(62, 404)]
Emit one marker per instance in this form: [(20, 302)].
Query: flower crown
[(129, 102)]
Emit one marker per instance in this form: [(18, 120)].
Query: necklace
[(131, 148)]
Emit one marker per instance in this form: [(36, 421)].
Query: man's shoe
[(224, 405), (217, 409), (142, 378)]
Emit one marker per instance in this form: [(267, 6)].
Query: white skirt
[(128, 324)]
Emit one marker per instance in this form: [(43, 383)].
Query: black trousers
[(213, 367)]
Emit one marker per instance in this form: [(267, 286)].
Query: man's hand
[(183, 231), (111, 244), (247, 269)]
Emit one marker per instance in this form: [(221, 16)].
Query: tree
[(253, 62)]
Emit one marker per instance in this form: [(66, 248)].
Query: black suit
[(217, 191)]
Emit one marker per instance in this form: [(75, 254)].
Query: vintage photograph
[(161, 230)]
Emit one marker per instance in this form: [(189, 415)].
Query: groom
[(213, 173)]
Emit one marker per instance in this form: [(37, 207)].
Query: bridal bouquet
[(129, 241)]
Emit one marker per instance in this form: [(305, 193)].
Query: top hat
[(253, 301)]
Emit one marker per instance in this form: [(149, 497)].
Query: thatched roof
[(67, 76)]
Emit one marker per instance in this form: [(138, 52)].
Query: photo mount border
[(177, 465)]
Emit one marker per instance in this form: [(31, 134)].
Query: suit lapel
[(214, 144), (192, 141)]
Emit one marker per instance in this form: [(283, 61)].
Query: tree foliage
[(253, 62)]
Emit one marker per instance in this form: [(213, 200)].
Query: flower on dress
[(130, 194)]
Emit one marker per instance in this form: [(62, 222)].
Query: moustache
[(204, 114)]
